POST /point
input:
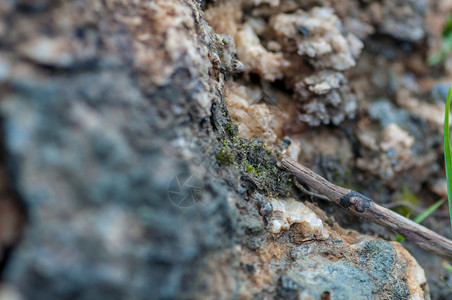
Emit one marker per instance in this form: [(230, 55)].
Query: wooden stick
[(366, 208)]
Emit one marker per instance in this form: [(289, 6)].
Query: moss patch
[(225, 156), (256, 163)]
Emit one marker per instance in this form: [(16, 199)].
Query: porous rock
[(300, 48), (96, 141)]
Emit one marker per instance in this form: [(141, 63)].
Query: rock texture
[(131, 180), (392, 149), (303, 48), (95, 136)]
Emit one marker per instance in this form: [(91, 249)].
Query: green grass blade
[(423, 216), (447, 266), (447, 155), (428, 211), (399, 238)]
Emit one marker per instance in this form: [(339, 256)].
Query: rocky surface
[(141, 140), (305, 49), (392, 149)]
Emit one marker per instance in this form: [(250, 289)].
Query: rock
[(324, 81), (404, 19), (318, 34), (379, 257), (86, 147), (9, 293), (98, 139), (387, 113), (256, 58), (289, 211), (332, 101), (337, 256), (439, 92), (245, 114), (297, 42), (51, 52), (395, 138)]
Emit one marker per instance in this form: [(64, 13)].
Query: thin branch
[(316, 195), (366, 208)]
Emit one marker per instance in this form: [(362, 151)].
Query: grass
[(428, 211), (447, 266), (447, 154)]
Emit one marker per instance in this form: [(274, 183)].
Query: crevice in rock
[(13, 211)]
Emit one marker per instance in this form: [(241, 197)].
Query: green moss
[(225, 156), (254, 160), (249, 168), (232, 129)]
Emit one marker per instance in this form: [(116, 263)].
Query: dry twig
[(316, 195), (366, 208)]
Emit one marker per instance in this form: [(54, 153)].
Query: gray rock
[(404, 20), (96, 147)]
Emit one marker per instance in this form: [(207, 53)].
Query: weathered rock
[(317, 34), (126, 102), (404, 19), (86, 149), (300, 48)]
